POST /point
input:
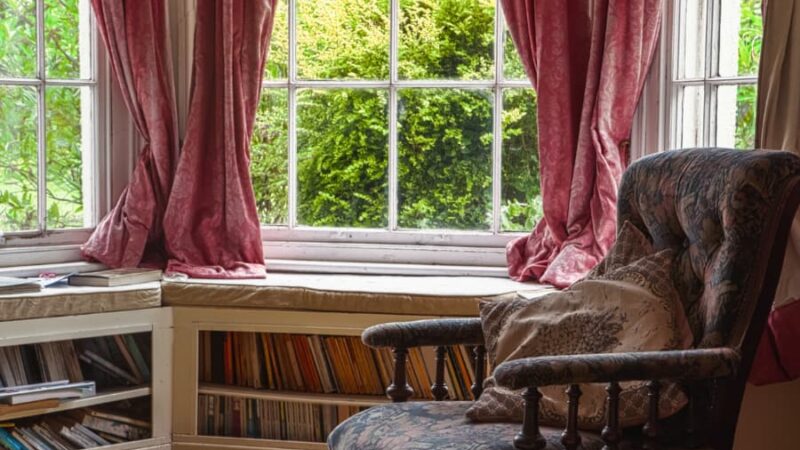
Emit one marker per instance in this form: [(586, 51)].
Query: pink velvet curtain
[(587, 60), (135, 35), (211, 225)]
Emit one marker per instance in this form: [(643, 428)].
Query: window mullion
[(41, 145), (711, 70), (497, 125), (292, 104), (394, 23)]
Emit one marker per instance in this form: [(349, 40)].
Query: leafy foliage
[(750, 38), (444, 135), (19, 121)]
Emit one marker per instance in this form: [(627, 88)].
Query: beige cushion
[(427, 296), (628, 308), (73, 300)]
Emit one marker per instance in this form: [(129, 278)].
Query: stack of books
[(80, 429), (323, 364), (115, 277), (42, 395), (109, 360), (267, 419)]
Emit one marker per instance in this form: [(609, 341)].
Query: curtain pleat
[(778, 128), (135, 35), (587, 60), (211, 226)]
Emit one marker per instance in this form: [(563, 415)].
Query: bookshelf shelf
[(194, 442), (106, 396), (289, 396)]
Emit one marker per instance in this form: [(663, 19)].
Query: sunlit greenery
[(750, 37), (444, 136), (444, 165), (19, 121)]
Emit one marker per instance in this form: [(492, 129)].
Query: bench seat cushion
[(73, 300), (436, 296)]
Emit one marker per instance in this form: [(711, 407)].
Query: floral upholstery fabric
[(709, 205), (433, 426), (628, 304)]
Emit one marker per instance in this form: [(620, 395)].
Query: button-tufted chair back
[(727, 212), (711, 205)]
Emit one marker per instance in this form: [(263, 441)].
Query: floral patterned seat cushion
[(433, 426)]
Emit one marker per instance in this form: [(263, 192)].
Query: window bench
[(59, 301), (406, 295)]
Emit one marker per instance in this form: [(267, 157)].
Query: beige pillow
[(622, 306)]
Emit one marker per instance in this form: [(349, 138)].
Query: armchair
[(728, 215)]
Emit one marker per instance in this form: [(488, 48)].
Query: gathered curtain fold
[(211, 225), (778, 128), (135, 35), (192, 211), (587, 60)]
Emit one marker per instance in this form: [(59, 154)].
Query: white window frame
[(392, 245), (657, 127), (43, 245)]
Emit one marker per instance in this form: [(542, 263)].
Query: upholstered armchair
[(728, 214)]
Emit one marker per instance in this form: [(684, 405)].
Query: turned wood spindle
[(530, 438), (570, 438), (439, 387), (399, 390), (480, 368), (650, 430), (612, 434), (692, 418)]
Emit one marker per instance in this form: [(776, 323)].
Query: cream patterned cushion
[(627, 304)]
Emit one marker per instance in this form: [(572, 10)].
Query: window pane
[(690, 133), (736, 113), (692, 39), (445, 159), (277, 67), (342, 151), (740, 37), (68, 114), (449, 39), (339, 39), (66, 33), (18, 159), (512, 64), (17, 38), (522, 202), (269, 150)]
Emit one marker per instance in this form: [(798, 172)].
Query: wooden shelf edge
[(291, 396), (103, 397), (186, 441)]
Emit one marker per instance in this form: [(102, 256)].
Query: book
[(269, 419), (98, 361), (8, 441), (115, 277), (58, 390), (30, 406), (114, 428), (13, 285)]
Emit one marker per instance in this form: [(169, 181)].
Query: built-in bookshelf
[(110, 403), (298, 387), (75, 382)]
